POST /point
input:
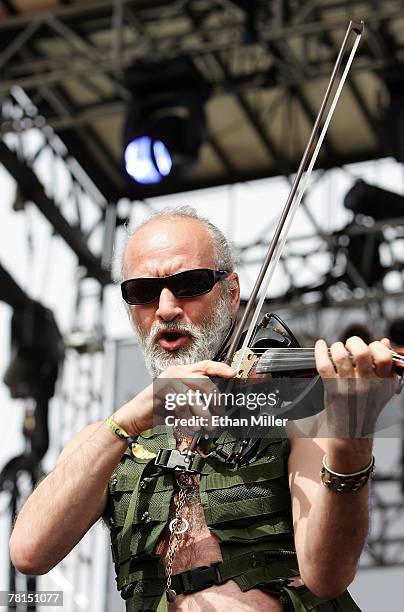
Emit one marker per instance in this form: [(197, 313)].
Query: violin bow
[(294, 198), (292, 203)]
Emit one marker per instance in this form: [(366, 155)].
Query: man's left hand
[(358, 382)]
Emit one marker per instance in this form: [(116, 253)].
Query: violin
[(274, 361), (277, 352)]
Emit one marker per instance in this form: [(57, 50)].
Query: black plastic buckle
[(275, 586), (203, 577), (177, 460)]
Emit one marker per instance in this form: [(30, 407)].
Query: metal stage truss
[(266, 64)]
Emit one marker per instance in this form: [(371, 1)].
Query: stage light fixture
[(374, 201), (363, 251), (37, 352), (165, 123)]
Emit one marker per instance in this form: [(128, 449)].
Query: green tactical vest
[(247, 507)]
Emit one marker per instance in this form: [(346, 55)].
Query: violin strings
[(285, 358), (272, 348), (263, 349), (301, 355), (307, 358)]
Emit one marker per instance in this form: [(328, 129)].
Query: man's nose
[(169, 307)]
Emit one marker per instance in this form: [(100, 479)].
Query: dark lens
[(192, 283), (141, 290)]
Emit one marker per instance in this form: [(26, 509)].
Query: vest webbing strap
[(262, 471), (275, 564), (127, 529)]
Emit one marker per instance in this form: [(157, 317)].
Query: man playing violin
[(269, 534)]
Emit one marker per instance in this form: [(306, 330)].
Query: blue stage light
[(147, 162), (165, 123), (163, 159)]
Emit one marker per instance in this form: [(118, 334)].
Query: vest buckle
[(173, 459), (196, 579)]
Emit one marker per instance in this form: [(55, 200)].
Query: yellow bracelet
[(118, 431), (135, 448)]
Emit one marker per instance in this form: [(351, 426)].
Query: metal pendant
[(176, 530), (171, 595)]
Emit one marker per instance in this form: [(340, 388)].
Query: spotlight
[(165, 124), (147, 161), (373, 201)]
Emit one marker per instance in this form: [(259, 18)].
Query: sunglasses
[(188, 284)]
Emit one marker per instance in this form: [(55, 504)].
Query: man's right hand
[(138, 414)]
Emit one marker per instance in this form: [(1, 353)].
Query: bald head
[(223, 255)]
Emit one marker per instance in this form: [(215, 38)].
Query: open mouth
[(172, 340)]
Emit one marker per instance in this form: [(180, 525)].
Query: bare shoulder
[(80, 438)]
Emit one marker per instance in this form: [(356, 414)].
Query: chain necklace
[(188, 495), (180, 435)]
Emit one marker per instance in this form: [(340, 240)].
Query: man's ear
[(234, 285)]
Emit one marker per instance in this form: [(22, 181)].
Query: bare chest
[(198, 546)]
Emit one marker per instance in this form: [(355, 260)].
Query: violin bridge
[(247, 363)]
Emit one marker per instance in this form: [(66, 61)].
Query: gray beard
[(206, 340)]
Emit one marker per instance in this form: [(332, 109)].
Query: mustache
[(188, 328)]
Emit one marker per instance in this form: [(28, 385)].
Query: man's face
[(175, 330)]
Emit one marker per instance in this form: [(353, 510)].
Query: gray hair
[(224, 258)]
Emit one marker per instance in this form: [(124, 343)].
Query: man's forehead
[(178, 232), (170, 239)]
